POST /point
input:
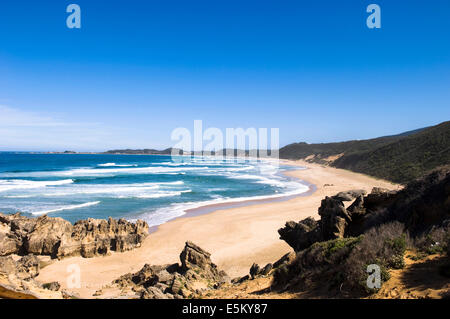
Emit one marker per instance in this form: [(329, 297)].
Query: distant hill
[(399, 158)]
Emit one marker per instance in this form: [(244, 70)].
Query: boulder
[(17, 279), (8, 245), (53, 286), (153, 293), (254, 270), (197, 259), (349, 195), (334, 218), (300, 235), (46, 236), (195, 273), (267, 269)]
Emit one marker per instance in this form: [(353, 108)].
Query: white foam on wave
[(68, 207), (112, 190), (7, 185), (116, 165), (162, 194), (165, 214), (105, 171)]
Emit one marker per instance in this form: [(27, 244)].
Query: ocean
[(150, 187)]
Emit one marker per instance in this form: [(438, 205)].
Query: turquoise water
[(153, 188)]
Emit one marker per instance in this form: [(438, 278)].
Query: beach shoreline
[(236, 202), (236, 237)]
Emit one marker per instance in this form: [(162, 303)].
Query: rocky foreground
[(58, 238), (175, 281), (23, 240), (406, 233)]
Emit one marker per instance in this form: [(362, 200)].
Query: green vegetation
[(343, 262), (400, 158)]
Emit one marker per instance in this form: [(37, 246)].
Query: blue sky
[(136, 70)]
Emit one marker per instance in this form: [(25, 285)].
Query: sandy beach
[(236, 237)]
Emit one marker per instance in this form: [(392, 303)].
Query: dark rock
[(285, 259), (254, 270), (197, 259), (349, 195), (175, 281), (240, 280), (153, 293), (266, 270), (54, 286), (334, 218), (302, 234)]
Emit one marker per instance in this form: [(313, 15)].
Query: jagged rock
[(357, 207), (151, 275), (54, 286), (266, 270), (69, 294), (8, 245), (58, 238), (153, 293), (302, 234), (193, 257), (28, 266), (254, 270), (240, 280), (334, 218), (356, 211), (379, 197), (25, 268), (17, 279), (349, 195), (175, 281), (178, 284), (46, 236)]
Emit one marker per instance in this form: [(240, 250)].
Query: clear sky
[(138, 69)]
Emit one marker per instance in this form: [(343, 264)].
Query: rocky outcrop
[(421, 205), (58, 238), (196, 272), (302, 234), (256, 270), (193, 258), (17, 279), (334, 222), (349, 195), (334, 218)]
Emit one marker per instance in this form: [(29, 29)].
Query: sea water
[(150, 187)]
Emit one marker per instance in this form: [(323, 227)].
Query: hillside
[(399, 158)]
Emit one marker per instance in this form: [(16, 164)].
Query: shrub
[(435, 241), (343, 262), (384, 246), (321, 260)]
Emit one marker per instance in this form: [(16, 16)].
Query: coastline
[(204, 209), (236, 237)]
